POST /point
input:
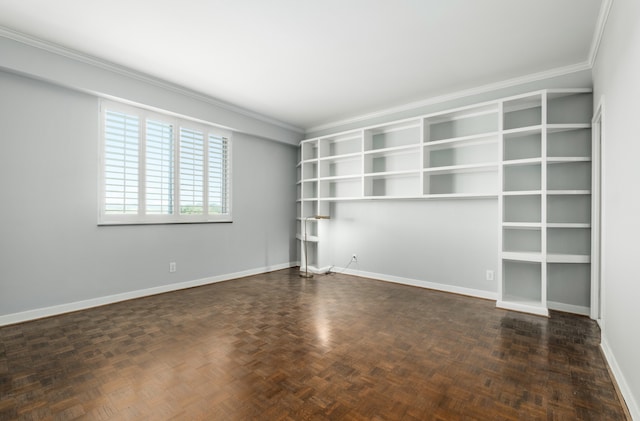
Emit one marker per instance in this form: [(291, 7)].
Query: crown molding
[(534, 77), (605, 8), (133, 74)]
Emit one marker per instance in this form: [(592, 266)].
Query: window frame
[(178, 122)]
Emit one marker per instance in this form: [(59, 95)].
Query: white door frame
[(597, 213)]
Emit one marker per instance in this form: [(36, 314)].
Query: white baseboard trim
[(632, 405), (569, 308), (39, 313), (477, 293)]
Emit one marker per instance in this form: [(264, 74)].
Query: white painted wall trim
[(39, 313), (477, 293), (605, 8), (632, 405)]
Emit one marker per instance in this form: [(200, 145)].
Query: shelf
[(527, 161), (340, 177), (482, 138), (522, 131), (310, 238), (522, 193), (340, 157), (567, 159), (485, 195), (522, 225), (568, 192), (567, 225), (340, 199), (556, 128), (524, 306), (551, 258), (391, 174), (487, 166), (522, 256), (382, 151), (568, 258)]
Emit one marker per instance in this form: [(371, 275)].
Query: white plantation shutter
[(191, 172), (121, 163), (158, 168), (218, 175)]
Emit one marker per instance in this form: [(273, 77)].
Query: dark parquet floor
[(278, 347)]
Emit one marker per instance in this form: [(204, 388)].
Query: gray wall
[(450, 242), (51, 250), (617, 82)]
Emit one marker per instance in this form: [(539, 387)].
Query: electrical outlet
[(354, 258), (489, 275), (172, 267)]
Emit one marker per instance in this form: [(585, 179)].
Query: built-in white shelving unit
[(545, 201), (530, 152)]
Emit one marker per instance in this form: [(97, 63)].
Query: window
[(157, 168)]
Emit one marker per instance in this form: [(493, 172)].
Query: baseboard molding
[(477, 293), (625, 391), (569, 308), (39, 313)]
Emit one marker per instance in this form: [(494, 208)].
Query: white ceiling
[(309, 63)]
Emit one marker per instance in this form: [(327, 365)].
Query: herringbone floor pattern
[(278, 347)]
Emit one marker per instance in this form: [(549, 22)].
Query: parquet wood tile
[(278, 347)]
